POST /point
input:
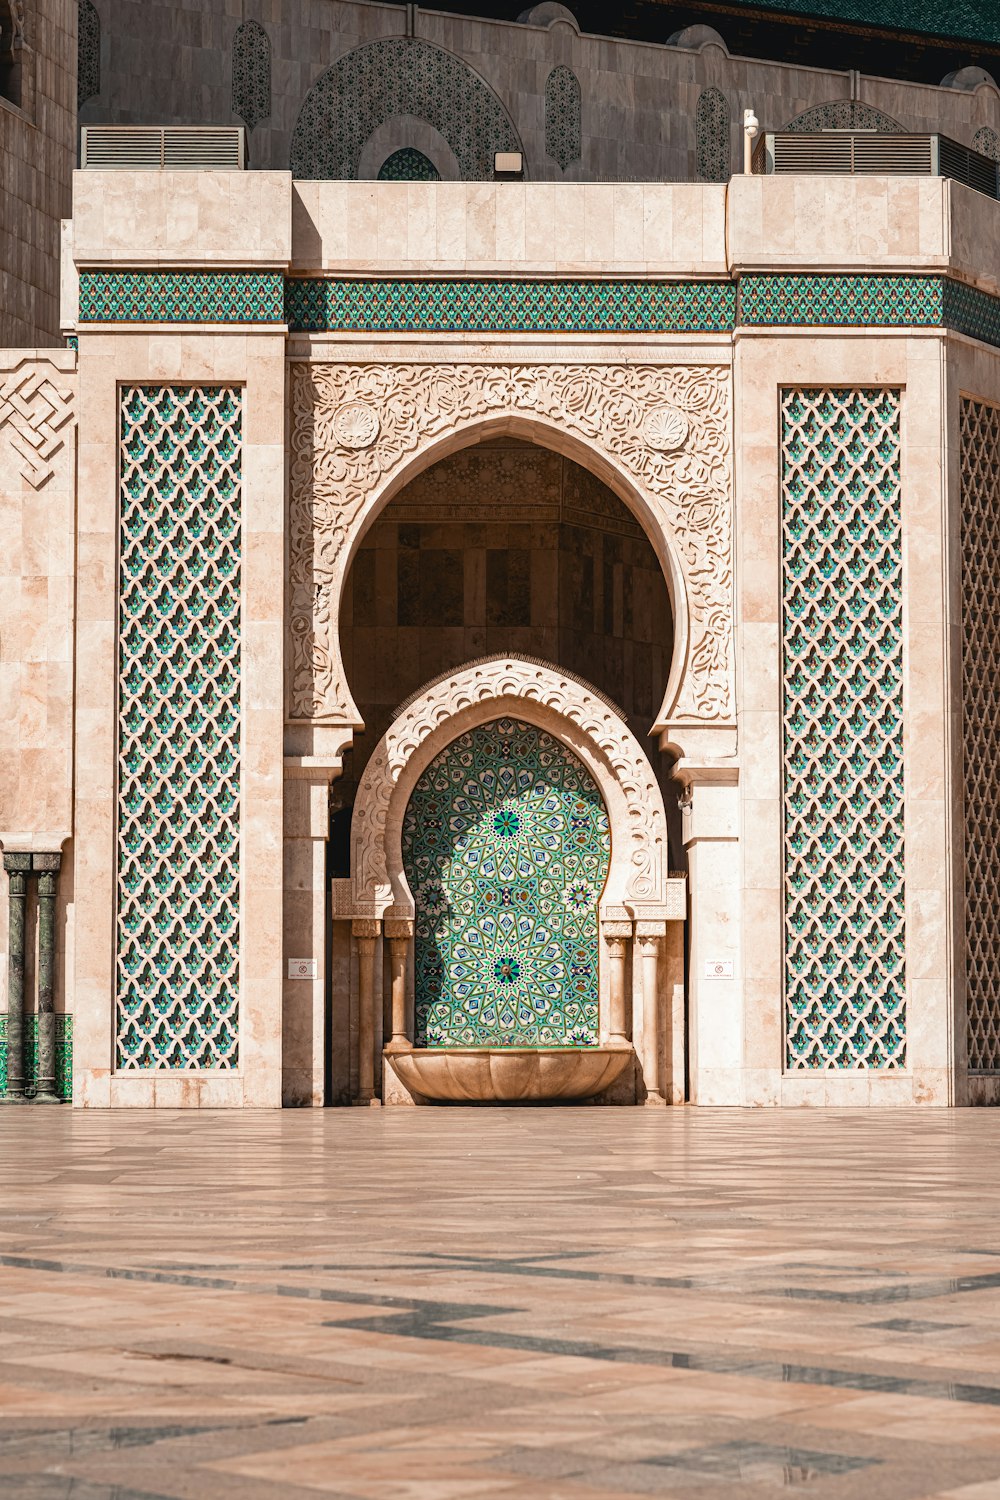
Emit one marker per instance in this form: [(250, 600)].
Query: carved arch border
[(566, 707), (658, 436)]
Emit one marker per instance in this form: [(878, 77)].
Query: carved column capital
[(366, 927)]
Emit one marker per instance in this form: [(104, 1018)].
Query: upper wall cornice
[(662, 232)]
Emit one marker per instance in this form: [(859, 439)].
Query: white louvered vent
[(177, 148), (874, 154)]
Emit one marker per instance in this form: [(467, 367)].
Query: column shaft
[(47, 867), (649, 947), (366, 932), (17, 867)]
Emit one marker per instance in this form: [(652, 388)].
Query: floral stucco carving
[(544, 695), (335, 487)]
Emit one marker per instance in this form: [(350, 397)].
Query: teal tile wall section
[(64, 1054), (853, 301), (314, 305), (179, 728), (181, 297), (506, 848), (842, 704)]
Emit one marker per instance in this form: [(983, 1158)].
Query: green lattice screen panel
[(981, 727), (842, 708), (506, 848), (179, 728)]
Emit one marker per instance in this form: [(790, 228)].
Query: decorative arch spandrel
[(557, 702), (658, 435)]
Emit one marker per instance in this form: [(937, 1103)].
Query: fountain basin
[(506, 1074)]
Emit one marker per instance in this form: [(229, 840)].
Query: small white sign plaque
[(303, 968), (718, 968)]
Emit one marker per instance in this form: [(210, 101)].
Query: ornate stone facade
[(602, 414)]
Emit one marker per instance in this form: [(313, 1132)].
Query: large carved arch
[(659, 436), (399, 76), (571, 711)]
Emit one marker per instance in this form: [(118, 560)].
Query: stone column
[(674, 1076), (46, 866), (711, 810), (650, 937), (616, 935), (399, 931), (366, 931), (18, 867)]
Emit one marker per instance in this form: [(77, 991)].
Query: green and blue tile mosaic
[(506, 848), (64, 1054), (179, 728), (842, 703), (844, 301), (315, 305), (181, 297)]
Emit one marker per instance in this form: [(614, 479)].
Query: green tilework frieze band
[(314, 305), (338, 305), (181, 297)]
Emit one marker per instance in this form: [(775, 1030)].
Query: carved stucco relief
[(542, 695), (342, 467)]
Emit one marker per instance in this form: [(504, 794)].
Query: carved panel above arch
[(681, 492), (556, 701)]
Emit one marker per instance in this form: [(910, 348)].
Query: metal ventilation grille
[(841, 153), (177, 148)]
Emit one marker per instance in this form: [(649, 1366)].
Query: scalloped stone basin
[(505, 1074)]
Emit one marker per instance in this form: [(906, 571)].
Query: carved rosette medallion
[(665, 429), (355, 426)]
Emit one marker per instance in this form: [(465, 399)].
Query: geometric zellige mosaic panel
[(506, 847), (981, 728), (842, 723), (179, 728)]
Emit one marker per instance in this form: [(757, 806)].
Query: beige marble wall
[(254, 360), (663, 230), (206, 219)]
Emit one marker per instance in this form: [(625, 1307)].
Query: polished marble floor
[(535, 1304)]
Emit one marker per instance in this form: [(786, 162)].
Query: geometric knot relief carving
[(179, 728), (842, 721), (333, 488), (251, 73), (980, 449), (506, 849), (482, 685), (713, 130), (398, 76), (563, 129), (34, 418)]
